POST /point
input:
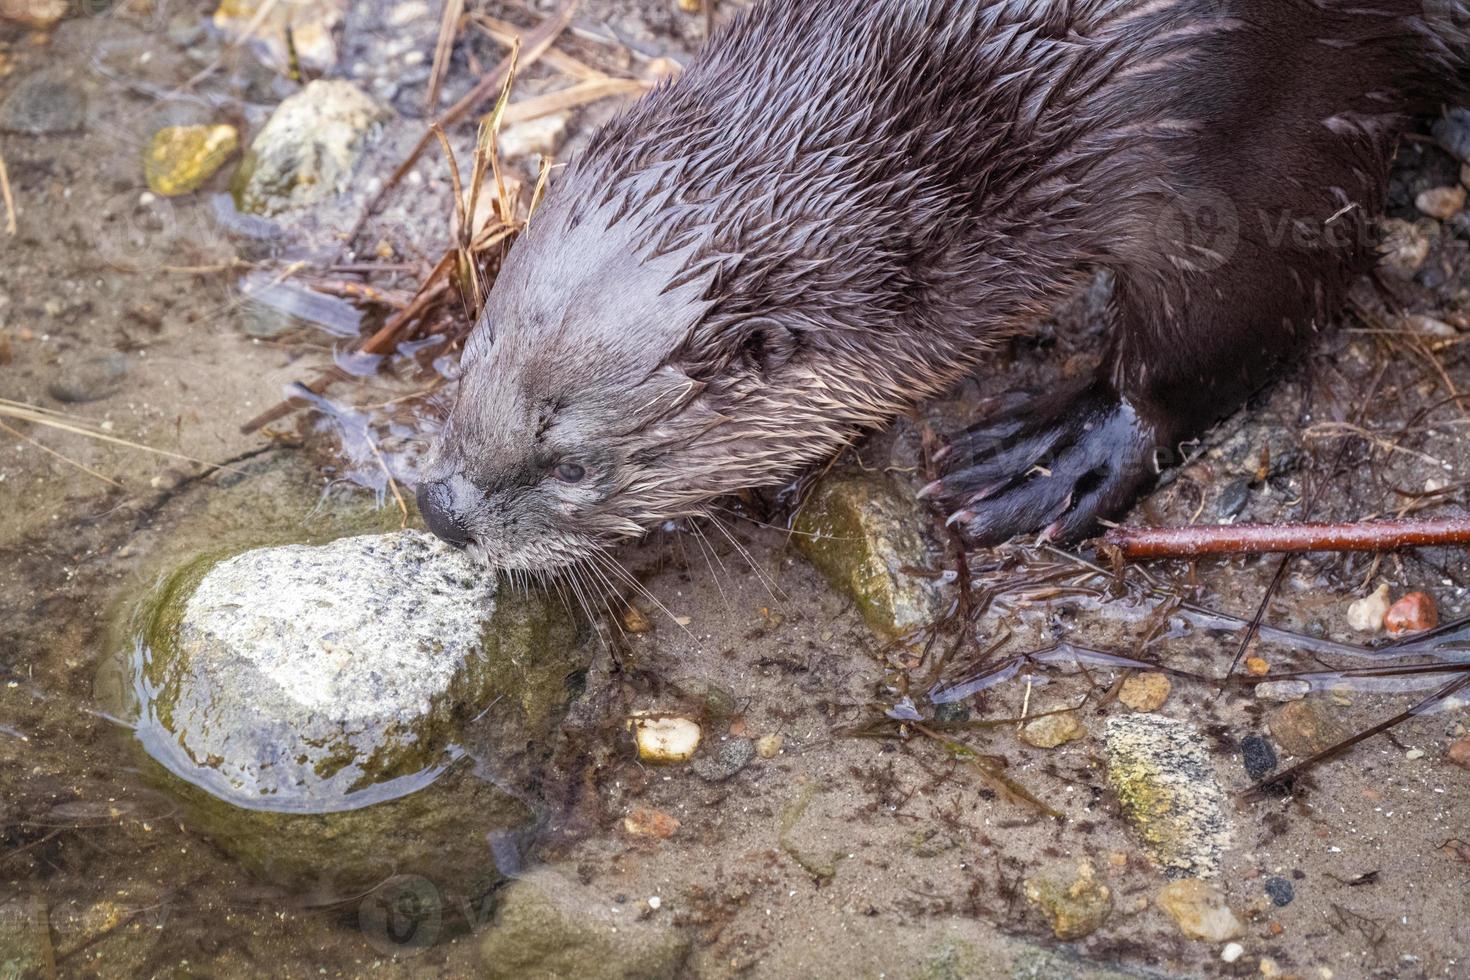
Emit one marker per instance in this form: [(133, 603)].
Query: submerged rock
[(724, 759), (862, 533), (25, 938), (39, 14), (1160, 771), (308, 149), (179, 159), (1199, 911), (1075, 908), (1146, 692), (88, 379), (43, 104), (1050, 731), (547, 926), (310, 698), (1304, 728), (1452, 131), (299, 674)]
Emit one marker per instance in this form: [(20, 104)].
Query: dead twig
[(1256, 539), (449, 28), (11, 227)]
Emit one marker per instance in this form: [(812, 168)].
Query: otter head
[(581, 418)]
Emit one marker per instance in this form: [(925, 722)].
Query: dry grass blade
[(11, 227), (507, 34), (539, 192), (536, 44), (61, 456), (26, 413), (571, 97), (449, 27)]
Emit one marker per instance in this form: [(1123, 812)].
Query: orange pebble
[(1411, 614), (1257, 667)]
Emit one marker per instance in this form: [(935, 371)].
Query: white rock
[(665, 739), (1366, 614), (296, 668), (526, 139), (1232, 952)]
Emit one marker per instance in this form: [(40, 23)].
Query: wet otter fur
[(840, 207)]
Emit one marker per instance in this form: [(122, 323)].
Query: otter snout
[(437, 504)]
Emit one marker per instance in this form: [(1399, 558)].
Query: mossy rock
[(864, 533)]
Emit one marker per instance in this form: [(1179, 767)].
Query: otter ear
[(765, 344)]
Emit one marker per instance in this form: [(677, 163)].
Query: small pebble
[(1366, 614), (1459, 753), (645, 821), (89, 379), (1441, 202), (1145, 692), (1258, 756), (1405, 248), (1411, 614), (1050, 731), (665, 739), (1283, 690), (1199, 911), (1280, 892), (724, 760), (1414, 755), (655, 902), (635, 620), (42, 105), (1257, 667), (1232, 952), (769, 746)]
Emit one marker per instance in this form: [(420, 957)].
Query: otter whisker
[(628, 577), (772, 588), (707, 549)]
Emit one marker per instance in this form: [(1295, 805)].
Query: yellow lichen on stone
[(179, 159)]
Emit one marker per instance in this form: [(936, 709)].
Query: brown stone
[(1050, 731), (1304, 728), (1459, 753), (645, 821), (1145, 692)]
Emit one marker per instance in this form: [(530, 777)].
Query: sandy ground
[(928, 860)]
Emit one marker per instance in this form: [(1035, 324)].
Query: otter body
[(840, 207)]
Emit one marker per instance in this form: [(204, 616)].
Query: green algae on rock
[(1074, 909), (1161, 773), (861, 533), (179, 159)]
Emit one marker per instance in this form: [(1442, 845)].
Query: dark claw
[(1094, 450)]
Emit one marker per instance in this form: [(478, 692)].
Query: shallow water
[(838, 855)]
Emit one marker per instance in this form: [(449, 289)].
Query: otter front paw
[(1054, 463)]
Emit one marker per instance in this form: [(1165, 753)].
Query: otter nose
[(436, 503)]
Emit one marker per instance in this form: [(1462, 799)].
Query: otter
[(839, 208)]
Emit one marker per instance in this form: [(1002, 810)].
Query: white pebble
[(1366, 614), (655, 902), (665, 739), (1232, 952)]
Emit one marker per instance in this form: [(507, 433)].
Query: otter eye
[(569, 472)]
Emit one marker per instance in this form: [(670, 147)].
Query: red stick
[(1256, 539)]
